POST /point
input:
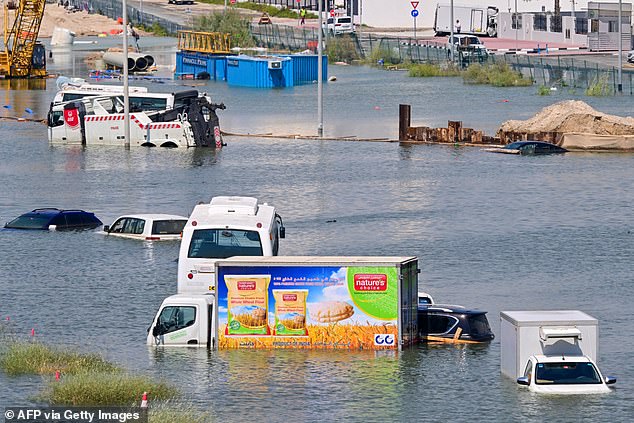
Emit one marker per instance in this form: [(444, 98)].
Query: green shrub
[(543, 90), (341, 49), (21, 358), (229, 23), (105, 389), (382, 53), (497, 74), (600, 87)]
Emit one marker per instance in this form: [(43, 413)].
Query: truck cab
[(225, 227), (563, 374), (184, 320)]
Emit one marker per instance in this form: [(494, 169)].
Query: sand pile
[(572, 116)]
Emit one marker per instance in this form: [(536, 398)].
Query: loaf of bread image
[(330, 311)]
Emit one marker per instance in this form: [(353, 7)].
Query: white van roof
[(239, 212)]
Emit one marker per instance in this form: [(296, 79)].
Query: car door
[(175, 325)]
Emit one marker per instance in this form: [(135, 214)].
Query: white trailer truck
[(552, 351), (225, 227), (296, 302), (478, 20)]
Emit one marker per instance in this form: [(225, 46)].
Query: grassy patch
[(229, 23), (600, 87), (382, 54), (21, 358), (270, 10), (341, 49), (105, 389), (155, 29), (498, 75), (428, 70), (543, 90), (167, 413)]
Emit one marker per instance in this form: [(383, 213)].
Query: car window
[(173, 318), (168, 227), (528, 372), (344, 20), (117, 227), (134, 226), (223, 243), (566, 373), (330, 20), (74, 219), (438, 324), (479, 325), (58, 220), (29, 221)]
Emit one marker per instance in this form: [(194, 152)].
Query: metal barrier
[(204, 42)]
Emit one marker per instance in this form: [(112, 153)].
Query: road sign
[(414, 13), (332, 13), (414, 4)]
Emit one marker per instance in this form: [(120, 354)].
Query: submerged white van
[(225, 227)]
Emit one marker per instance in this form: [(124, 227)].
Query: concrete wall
[(528, 32)]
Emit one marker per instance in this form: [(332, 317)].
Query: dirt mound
[(571, 116)]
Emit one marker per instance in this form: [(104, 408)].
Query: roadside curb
[(534, 50)]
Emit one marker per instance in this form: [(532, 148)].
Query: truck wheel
[(492, 32)]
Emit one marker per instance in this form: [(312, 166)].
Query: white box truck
[(478, 20), (552, 351), (297, 302)]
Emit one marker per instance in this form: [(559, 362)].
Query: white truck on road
[(478, 20), (552, 351)]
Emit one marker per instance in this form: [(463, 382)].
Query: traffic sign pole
[(414, 14)]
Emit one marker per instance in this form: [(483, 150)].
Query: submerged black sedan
[(529, 148)]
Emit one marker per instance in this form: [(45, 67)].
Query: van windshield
[(566, 373), (29, 221), (223, 243)]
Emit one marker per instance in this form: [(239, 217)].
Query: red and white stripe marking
[(134, 119)]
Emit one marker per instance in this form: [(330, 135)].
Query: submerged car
[(148, 227), (55, 219), (564, 374), (529, 148), (453, 324)]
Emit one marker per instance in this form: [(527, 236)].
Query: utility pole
[(453, 42), (320, 85), (620, 84), (126, 89)]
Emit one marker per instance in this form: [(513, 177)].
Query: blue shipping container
[(260, 72), (196, 63), (305, 68)]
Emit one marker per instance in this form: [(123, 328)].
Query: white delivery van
[(477, 20), (552, 351), (225, 227)]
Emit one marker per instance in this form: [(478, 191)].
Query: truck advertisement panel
[(327, 307)]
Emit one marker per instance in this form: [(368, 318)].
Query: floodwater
[(491, 231)]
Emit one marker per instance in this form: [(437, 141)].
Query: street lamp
[(620, 84), (320, 86)]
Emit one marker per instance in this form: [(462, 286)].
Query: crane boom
[(17, 59)]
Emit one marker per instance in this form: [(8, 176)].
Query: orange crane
[(23, 56)]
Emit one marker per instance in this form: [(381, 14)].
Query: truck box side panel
[(349, 303)]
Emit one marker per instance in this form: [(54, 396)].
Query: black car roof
[(449, 308)]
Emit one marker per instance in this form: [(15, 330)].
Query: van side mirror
[(610, 380), (523, 380), (155, 331), (106, 228), (282, 232)]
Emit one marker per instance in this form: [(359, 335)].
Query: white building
[(397, 13)]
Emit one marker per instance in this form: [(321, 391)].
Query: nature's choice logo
[(246, 285), (374, 291), (371, 282)]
